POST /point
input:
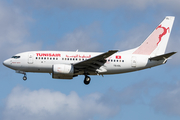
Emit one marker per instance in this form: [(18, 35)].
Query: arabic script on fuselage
[(78, 56)]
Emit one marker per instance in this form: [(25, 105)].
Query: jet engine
[(62, 71)]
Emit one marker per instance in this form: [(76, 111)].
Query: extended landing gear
[(22, 72), (87, 80), (24, 78)]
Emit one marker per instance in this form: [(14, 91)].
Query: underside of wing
[(93, 64)]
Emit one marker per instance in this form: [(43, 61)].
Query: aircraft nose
[(6, 63)]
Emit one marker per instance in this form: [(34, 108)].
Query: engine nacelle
[(62, 71)]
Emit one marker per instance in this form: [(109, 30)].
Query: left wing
[(94, 63)]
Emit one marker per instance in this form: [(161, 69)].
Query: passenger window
[(50, 58), (47, 58), (44, 58), (122, 60), (56, 58), (53, 58)]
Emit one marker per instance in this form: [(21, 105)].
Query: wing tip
[(113, 50)]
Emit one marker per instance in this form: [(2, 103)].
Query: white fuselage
[(42, 61)]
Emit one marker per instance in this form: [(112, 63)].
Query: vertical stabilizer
[(156, 43)]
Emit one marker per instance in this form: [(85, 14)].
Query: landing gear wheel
[(87, 80), (24, 78)]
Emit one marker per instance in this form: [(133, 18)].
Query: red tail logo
[(164, 33)]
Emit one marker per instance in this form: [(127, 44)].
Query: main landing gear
[(25, 77), (87, 80)]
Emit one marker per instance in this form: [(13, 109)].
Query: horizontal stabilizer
[(162, 57)]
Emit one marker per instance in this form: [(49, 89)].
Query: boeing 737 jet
[(66, 65)]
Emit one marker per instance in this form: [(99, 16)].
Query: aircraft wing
[(94, 63)]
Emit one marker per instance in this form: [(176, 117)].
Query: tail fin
[(156, 43)]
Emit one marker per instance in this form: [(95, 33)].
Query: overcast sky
[(88, 25)]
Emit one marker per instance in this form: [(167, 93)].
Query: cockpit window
[(16, 57)]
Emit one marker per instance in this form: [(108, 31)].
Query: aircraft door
[(133, 61), (30, 59)]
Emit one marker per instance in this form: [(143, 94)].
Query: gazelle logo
[(164, 33), (152, 41)]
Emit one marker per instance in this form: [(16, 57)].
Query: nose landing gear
[(22, 72)]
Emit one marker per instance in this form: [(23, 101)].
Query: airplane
[(69, 64)]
